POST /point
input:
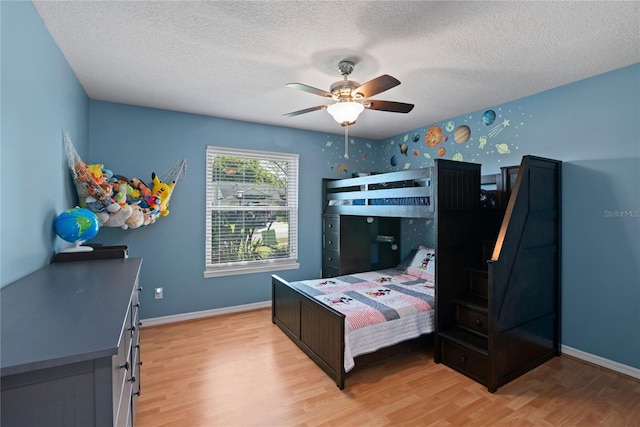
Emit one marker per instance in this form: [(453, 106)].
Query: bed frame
[(318, 329), (519, 265)]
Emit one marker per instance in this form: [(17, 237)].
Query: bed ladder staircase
[(502, 319), (466, 344)]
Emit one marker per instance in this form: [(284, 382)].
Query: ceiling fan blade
[(310, 89), (306, 110), (377, 85), (394, 107)]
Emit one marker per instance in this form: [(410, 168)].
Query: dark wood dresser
[(70, 352)]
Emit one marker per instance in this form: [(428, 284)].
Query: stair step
[(478, 283), (474, 303), (467, 339)]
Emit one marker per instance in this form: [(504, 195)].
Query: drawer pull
[(137, 305), (330, 259), (331, 242), (330, 225), (139, 323), (137, 393), (139, 289), (478, 322), (125, 366), (133, 328), (140, 363), (463, 358), (132, 379)]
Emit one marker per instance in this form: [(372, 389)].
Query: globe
[(76, 226)]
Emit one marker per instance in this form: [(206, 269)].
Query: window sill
[(231, 271)]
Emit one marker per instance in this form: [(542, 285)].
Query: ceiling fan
[(351, 98)]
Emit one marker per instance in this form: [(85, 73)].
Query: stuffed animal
[(92, 203), (149, 216), (136, 219), (82, 172), (121, 195), (162, 191), (119, 218), (141, 192), (96, 171), (102, 217)]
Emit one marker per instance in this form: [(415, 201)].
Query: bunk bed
[(319, 329), (485, 268)]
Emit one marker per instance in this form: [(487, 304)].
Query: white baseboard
[(601, 361), (205, 313)]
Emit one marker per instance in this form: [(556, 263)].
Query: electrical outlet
[(158, 294)]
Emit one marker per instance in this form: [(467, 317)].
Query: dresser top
[(65, 313)]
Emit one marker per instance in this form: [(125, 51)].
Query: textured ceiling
[(233, 59)]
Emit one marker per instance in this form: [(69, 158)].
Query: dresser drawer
[(331, 241), (121, 363), (472, 320), (331, 224), (465, 360)]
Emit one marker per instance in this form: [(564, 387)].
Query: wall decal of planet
[(488, 117), (416, 137), (450, 126), (457, 157), (393, 161), (342, 167), (503, 148), (462, 134), (433, 136), (441, 151), (403, 148)]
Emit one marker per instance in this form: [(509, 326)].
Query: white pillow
[(423, 264)]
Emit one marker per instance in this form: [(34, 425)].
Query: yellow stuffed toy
[(163, 191)]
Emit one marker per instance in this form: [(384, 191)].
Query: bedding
[(382, 308)]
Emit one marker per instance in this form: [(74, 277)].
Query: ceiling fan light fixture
[(345, 112)]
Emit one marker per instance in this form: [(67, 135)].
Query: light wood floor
[(241, 370)]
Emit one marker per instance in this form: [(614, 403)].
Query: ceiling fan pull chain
[(346, 142)]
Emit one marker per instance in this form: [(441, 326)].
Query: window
[(252, 211)]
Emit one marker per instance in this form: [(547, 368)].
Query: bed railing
[(395, 194)]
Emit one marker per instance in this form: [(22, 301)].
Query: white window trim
[(250, 267)]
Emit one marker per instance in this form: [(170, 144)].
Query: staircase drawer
[(472, 320), (465, 360)]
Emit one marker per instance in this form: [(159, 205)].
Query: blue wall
[(41, 98), (591, 125), (135, 142)]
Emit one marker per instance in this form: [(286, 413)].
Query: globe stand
[(77, 248)]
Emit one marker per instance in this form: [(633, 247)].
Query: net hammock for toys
[(117, 200)]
